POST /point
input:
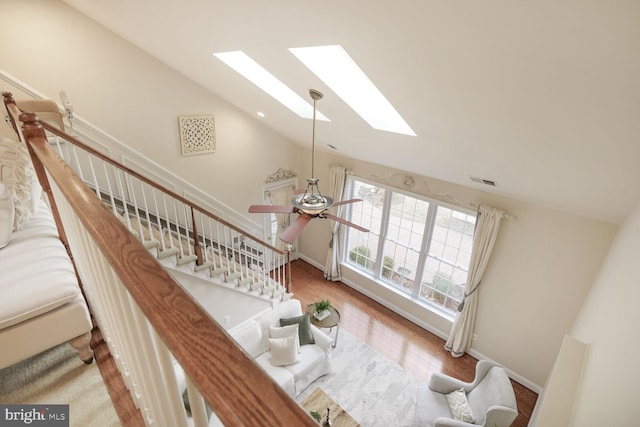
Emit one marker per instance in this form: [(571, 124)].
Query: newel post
[(10, 103), (196, 242), (33, 133)]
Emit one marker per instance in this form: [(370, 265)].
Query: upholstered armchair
[(488, 401)]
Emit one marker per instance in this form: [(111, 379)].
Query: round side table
[(329, 322)]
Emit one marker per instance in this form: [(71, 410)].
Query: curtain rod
[(505, 214)]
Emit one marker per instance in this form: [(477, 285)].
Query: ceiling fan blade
[(271, 209), (345, 222), (291, 234), (344, 202)]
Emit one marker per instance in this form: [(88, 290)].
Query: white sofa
[(42, 305), (315, 359), (253, 336)]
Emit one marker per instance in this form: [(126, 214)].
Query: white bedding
[(37, 274)]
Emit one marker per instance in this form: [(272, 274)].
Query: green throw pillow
[(304, 328)]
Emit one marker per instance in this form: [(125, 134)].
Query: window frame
[(425, 245)]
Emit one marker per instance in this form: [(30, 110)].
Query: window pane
[(447, 264), (433, 271), (362, 248), (405, 232)]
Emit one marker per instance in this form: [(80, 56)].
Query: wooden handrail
[(152, 183), (237, 389), (8, 99)]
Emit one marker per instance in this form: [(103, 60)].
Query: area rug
[(375, 391), (58, 376)]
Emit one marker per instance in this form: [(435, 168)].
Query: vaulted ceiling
[(541, 97)]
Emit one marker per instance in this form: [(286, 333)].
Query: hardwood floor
[(419, 352)]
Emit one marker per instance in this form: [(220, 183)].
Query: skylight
[(266, 81), (333, 65)]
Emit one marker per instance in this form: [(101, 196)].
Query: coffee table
[(329, 322), (319, 401)]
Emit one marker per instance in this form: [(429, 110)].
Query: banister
[(154, 184), (192, 205), (236, 388), (286, 278)]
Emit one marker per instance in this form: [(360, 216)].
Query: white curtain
[(485, 236), (337, 178), (281, 196)]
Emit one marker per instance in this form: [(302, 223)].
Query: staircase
[(179, 233), (222, 247), (237, 266), (119, 228)]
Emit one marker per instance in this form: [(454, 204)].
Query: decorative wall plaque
[(197, 134)]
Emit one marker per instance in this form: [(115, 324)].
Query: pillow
[(6, 216), (459, 406), (283, 351), (18, 174), (249, 337), (286, 331), (304, 327)]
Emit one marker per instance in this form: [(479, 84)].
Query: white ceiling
[(543, 97)]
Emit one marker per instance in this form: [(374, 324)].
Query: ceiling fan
[(308, 203)]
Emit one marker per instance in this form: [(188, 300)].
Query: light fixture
[(266, 81), (312, 201), (333, 65)]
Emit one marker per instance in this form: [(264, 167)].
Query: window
[(418, 246)]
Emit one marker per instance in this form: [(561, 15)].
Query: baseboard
[(429, 328), (513, 375)]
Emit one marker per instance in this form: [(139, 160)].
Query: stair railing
[(171, 225), (150, 323), (106, 143)]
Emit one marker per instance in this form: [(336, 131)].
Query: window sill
[(422, 305)]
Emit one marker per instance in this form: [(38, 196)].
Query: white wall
[(554, 407), (543, 265), (137, 99), (542, 268), (227, 306), (609, 322)]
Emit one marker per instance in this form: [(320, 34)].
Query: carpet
[(58, 376), (375, 391)]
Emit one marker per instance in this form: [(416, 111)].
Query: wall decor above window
[(197, 134), (417, 185), (280, 175)]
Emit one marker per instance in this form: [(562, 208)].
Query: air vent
[(483, 181)]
